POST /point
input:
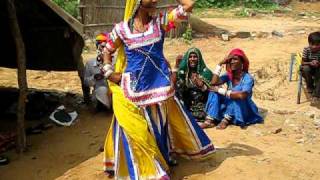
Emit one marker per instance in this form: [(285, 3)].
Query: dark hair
[(314, 38)]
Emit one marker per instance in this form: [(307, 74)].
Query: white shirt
[(100, 90), (92, 68)]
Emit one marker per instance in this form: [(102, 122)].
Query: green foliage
[(243, 12), (234, 3), (71, 6), (187, 35)]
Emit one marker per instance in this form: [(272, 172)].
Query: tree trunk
[(22, 81)]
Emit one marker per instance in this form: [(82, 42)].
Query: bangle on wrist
[(222, 91), (108, 73), (107, 67), (217, 70)]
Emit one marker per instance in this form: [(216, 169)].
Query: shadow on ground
[(187, 168)]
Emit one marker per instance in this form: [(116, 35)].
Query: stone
[(243, 34), (253, 14), (301, 32), (225, 37), (276, 131), (277, 33), (300, 141), (302, 14), (262, 34), (197, 35), (231, 35), (316, 121), (310, 114)]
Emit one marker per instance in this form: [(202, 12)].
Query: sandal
[(3, 160), (223, 124)]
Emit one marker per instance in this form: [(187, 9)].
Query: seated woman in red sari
[(233, 105)]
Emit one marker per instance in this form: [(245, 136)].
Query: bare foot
[(207, 124), (223, 124)]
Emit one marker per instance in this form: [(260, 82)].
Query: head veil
[(240, 53), (202, 69)]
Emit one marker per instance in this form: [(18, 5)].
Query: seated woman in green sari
[(193, 80)]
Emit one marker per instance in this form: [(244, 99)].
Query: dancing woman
[(149, 124)]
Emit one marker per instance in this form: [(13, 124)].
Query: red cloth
[(238, 52)]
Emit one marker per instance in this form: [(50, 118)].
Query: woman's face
[(193, 60), (235, 63), (149, 5)]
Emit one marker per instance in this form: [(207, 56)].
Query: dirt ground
[(286, 146)]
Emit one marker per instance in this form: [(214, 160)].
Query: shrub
[(234, 3), (71, 6)]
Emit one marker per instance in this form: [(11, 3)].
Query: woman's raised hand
[(178, 60), (226, 60)]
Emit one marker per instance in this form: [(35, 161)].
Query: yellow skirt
[(140, 140)]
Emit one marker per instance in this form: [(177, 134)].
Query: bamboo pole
[(22, 81)]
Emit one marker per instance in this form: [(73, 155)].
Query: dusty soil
[(286, 146)]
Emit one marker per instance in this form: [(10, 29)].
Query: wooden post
[(22, 81), (78, 44)]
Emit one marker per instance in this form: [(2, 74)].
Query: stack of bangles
[(222, 91), (107, 70)]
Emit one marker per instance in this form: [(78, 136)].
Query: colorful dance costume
[(149, 122)]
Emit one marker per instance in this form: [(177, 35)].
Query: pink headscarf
[(238, 52)]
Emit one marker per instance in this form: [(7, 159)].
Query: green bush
[(71, 6), (234, 3), (187, 35)]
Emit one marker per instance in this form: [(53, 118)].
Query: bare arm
[(238, 95), (186, 4), (216, 73), (175, 69), (107, 57), (305, 61)]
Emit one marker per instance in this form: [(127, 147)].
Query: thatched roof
[(53, 38)]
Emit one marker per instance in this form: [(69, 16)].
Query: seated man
[(193, 79), (311, 65), (93, 77), (234, 104)]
